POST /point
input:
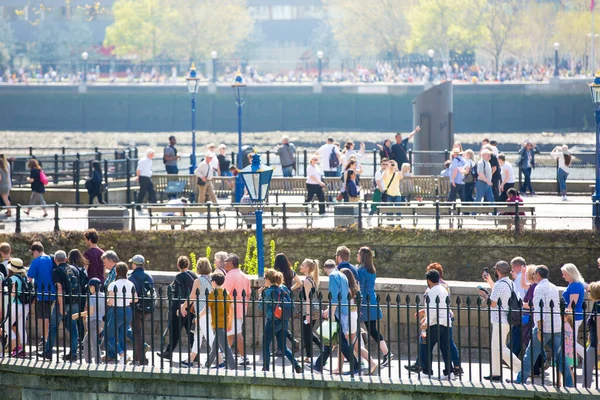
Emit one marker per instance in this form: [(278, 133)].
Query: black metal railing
[(120, 324)]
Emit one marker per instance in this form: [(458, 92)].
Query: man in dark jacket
[(144, 288), (182, 288)]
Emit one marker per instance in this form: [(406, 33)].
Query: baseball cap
[(138, 259)]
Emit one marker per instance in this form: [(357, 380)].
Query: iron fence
[(95, 328)]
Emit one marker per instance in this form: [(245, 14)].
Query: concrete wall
[(477, 108)]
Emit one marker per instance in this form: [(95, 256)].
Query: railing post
[(76, 177), (557, 180), (517, 218), (90, 168), (128, 180), (305, 161), (98, 155), (55, 169), (135, 152), (63, 151), (106, 180), (437, 215), (56, 217), (360, 206), (208, 216), (30, 151), (284, 217), (18, 220), (132, 216), (233, 158)]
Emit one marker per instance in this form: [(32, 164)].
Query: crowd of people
[(210, 302), (380, 71)]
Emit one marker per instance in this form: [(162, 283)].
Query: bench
[(416, 211), (245, 214), (182, 215), (500, 214)]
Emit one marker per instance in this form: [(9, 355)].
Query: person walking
[(370, 312), (563, 155), (508, 177), (93, 185), (143, 302), (314, 183), (237, 285), (352, 189), (224, 163), (5, 183), (456, 170), (121, 295), (94, 315), (37, 185), (144, 177), (204, 173), (310, 307), (220, 305), (593, 323), (15, 323), (469, 177), (40, 271), (574, 297), (329, 157), (286, 152), (170, 157), (483, 186), (526, 163)]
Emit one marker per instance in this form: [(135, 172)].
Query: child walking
[(221, 310)]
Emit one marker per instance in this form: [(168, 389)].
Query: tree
[(499, 22), (56, 42), (142, 27), (534, 33), (206, 25), (7, 43), (369, 30), (445, 25)]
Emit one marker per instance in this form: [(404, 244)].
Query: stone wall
[(400, 253)]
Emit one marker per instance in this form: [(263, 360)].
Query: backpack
[(334, 161), (83, 282), (284, 308), (513, 313), (148, 303), (474, 172), (43, 177), (27, 293), (72, 285), (164, 157)]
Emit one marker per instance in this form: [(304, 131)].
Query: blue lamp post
[(239, 92), (192, 85), (595, 92), (257, 179)]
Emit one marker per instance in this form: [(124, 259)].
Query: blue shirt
[(367, 289), (457, 162), (575, 288), (352, 268), (40, 271), (338, 286), (138, 277)]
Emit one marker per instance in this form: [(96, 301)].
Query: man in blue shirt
[(342, 257), (40, 272), (338, 288), (455, 172)]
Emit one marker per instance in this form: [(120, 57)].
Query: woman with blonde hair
[(310, 307), (37, 186), (5, 183), (197, 304), (574, 297)]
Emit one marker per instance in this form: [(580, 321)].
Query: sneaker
[(413, 368), (222, 365), (187, 364), (70, 357), (106, 359), (165, 354), (458, 371), (386, 359), (493, 378), (18, 352), (564, 198), (243, 361), (298, 368), (278, 353), (45, 355)]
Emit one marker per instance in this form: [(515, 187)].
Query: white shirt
[(501, 291), (214, 163), (324, 152), (561, 161), (313, 175), (546, 292), (510, 171), (520, 291), (145, 167), (431, 318), (350, 153), (484, 168), (204, 170), (119, 284), (379, 180)]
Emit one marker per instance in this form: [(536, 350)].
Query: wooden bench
[(272, 213), (183, 215), (501, 214), (416, 211)]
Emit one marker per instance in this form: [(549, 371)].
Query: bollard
[(106, 180), (55, 169), (208, 228), (18, 220), (76, 177), (437, 215), (284, 217), (410, 157), (56, 208), (374, 161), (360, 206), (517, 218), (132, 217)]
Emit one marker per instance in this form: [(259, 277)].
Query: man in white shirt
[(501, 293), (204, 174), (144, 177), (436, 323), (324, 153), (483, 187), (508, 177), (214, 163), (379, 187), (547, 326)]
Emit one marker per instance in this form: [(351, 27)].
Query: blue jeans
[(482, 190), (120, 319), (70, 324), (527, 182), (276, 329), (172, 169), (288, 171), (457, 191), (346, 351), (562, 181), (535, 348), (226, 173)]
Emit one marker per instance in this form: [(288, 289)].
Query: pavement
[(551, 214)]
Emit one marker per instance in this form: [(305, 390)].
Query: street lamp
[(256, 179), (214, 55), (320, 63), (239, 92), (192, 85), (84, 57), (430, 53), (595, 92), (556, 47)]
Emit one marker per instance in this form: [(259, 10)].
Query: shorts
[(236, 327), (43, 309)]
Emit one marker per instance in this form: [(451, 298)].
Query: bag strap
[(391, 180), (290, 154)]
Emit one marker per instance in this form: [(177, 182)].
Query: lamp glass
[(319, 54), (257, 179), (192, 84)]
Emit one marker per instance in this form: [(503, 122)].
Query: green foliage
[(7, 43), (193, 261), (54, 41), (208, 252), (251, 258), (272, 252)]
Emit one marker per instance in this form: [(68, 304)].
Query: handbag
[(384, 194), (328, 333), (354, 199), (200, 182), (340, 196)]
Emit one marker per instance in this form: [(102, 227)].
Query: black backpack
[(147, 302), (334, 161), (474, 172), (513, 313), (27, 293), (72, 283)]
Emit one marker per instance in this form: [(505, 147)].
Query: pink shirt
[(238, 281)]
